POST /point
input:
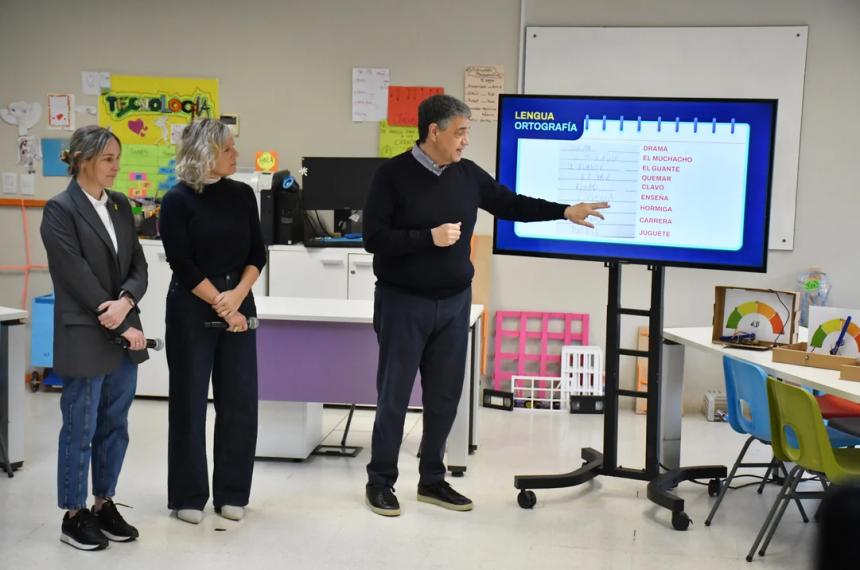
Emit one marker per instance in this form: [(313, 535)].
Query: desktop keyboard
[(326, 241)]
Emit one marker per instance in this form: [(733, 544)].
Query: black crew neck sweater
[(211, 233), (407, 201)]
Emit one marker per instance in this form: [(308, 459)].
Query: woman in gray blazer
[(99, 274)]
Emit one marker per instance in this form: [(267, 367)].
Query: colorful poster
[(394, 140), (403, 103), (148, 114)]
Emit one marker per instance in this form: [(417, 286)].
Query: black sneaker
[(82, 531), (382, 501), (112, 525), (443, 495)]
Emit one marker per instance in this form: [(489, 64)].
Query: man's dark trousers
[(417, 333)]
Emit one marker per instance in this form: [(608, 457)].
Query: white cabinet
[(361, 281), (152, 374), (326, 273), (152, 379)]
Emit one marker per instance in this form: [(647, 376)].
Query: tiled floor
[(312, 514)]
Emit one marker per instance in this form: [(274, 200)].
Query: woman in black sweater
[(210, 227)]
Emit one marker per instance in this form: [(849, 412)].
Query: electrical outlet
[(28, 184), (10, 182)]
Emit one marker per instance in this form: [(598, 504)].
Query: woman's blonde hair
[(201, 145)]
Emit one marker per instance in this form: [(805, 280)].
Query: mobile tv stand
[(606, 463)]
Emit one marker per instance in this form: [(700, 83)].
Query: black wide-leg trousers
[(195, 351)]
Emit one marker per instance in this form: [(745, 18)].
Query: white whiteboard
[(750, 62)]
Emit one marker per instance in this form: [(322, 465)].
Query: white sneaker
[(231, 512), (192, 516)]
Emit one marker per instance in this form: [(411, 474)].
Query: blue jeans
[(95, 428)]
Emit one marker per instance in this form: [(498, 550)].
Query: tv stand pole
[(606, 463)]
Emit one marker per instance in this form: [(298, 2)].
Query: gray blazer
[(86, 272)]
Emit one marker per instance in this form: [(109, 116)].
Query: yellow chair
[(793, 408)]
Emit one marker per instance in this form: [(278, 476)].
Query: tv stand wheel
[(526, 499), (680, 521)]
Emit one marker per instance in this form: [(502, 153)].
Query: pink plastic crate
[(573, 330)]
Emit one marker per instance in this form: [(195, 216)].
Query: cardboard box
[(790, 326), (796, 354), (850, 372)]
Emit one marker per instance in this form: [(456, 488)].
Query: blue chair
[(749, 414)]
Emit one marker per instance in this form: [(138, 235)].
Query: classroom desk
[(315, 351), (13, 411), (699, 338)]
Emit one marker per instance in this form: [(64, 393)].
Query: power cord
[(787, 312), (758, 479)]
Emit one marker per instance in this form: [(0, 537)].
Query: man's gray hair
[(87, 143), (439, 109), (201, 145)]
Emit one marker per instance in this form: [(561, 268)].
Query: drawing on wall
[(94, 82), (29, 152), (22, 114), (61, 112)]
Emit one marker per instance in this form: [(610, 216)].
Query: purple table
[(328, 362), (315, 351)]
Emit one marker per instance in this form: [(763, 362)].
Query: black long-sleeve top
[(211, 233), (407, 201)]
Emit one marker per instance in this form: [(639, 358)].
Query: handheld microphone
[(252, 324), (153, 343)]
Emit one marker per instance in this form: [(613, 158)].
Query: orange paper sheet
[(403, 103)]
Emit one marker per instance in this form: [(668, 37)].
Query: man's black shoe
[(382, 501), (443, 495), (82, 531), (112, 525)]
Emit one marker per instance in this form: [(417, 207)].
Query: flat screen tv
[(688, 180)]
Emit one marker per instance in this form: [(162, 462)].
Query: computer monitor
[(337, 183)]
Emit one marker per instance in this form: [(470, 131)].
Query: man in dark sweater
[(418, 223)]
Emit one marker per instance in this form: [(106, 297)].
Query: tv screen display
[(687, 180)]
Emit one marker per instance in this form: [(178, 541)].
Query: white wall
[(285, 68)]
